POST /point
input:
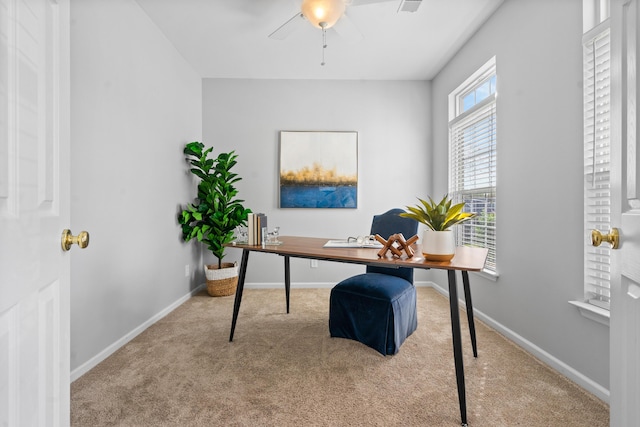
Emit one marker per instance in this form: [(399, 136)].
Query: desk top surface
[(466, 258)]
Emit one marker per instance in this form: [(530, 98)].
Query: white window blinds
[(472, 163), (597, 193)]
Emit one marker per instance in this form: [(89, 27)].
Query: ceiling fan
[(326, 14)]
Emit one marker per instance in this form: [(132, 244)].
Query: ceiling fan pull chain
[(324, 40)]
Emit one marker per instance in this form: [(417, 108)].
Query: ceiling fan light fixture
[(323, 13)]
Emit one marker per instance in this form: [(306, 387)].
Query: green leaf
[(193, 149), (440, 216), (212, 219)]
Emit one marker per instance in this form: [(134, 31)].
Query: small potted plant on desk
[(214, 216), (438, 242)]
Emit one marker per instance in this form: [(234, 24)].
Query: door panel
[(34, 209), (5, 171), (625, 285)]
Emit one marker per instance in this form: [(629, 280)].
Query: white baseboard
[(94, 361), (309, 285), (305, 285), (548, 359)]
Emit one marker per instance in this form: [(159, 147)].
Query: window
[(597, 193), (472, 159)]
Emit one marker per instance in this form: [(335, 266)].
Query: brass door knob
[(613, 238), (68, 239)]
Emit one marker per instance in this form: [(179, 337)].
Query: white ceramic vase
[(438, 245)]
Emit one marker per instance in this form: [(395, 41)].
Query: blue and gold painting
[(318, 169)]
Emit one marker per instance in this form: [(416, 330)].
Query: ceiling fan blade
[(347, 30), (363, 2), (286, 29)]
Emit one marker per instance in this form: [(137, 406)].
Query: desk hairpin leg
[(239, 289), (457, 344), (467, 299), (287, 280)]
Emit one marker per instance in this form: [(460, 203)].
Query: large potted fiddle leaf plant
[(215, 214)]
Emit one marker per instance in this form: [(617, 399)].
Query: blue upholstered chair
[(377, 308)]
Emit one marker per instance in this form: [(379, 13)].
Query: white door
[(34, 209), (625, 180)]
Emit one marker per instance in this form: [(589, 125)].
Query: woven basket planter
[(221, 282)]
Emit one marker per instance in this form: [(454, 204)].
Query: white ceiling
[(229, 38)]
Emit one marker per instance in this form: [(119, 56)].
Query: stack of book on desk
[(257, 229)]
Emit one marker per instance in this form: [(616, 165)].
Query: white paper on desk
[(352, 244)]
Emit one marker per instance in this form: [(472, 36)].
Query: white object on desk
[(352, 244)]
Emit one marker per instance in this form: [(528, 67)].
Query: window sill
[(592, 312), (487, 275)]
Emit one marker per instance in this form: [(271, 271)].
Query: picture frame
[(319, 169)]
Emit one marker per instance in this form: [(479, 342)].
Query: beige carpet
[(285, 370)]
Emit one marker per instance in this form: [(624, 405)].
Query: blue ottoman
[(377, 309)]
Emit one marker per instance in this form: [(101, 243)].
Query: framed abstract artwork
[(318, 169)]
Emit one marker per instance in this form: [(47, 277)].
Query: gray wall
[(134, 103), (393, 121), (537, 44)]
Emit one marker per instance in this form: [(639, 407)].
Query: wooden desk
[(466, 259)]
